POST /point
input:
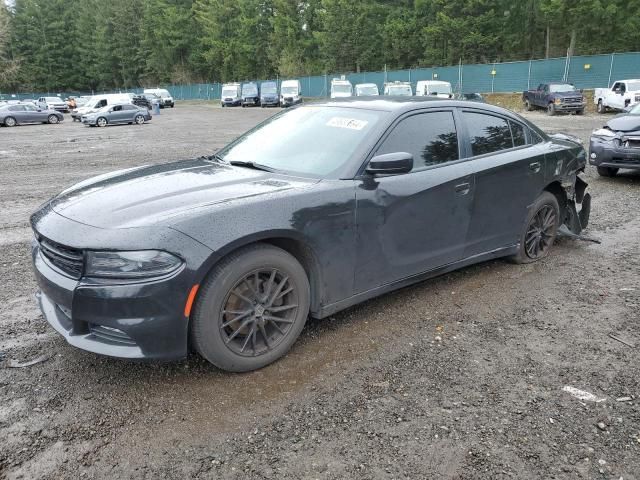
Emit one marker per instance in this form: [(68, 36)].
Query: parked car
[(95, 103), (621, 94), (117, 114), (290, 93), (617, 145), (231, 253), (146, 100), (165, 96), (398, 89), (231, 95), (434, 88), (250, 95), (470, 97), (32, 101), (554, 98), (20, 113), (340, 88), (53, 103), (269, 94), (366, 90)]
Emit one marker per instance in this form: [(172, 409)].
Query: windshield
[(561, 87), (269, 88), (341, 88), (367, 90), (289, 90), (309, 141), (250, 89), (399, 90), (229, 91), (53, 99)]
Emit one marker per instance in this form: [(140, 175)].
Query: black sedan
[(319, 208), (617, 145)]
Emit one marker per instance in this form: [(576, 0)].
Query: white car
[(434, 88), (52, 103), (402, 89), (290, 93), (367, 90), (622, 94), (341, 88)]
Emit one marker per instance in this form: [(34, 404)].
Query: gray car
[(16, 114), (117, 114)]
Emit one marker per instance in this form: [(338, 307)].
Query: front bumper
[(270, 102), (231, 103), (613, 154), (251, 101), (569, 107)]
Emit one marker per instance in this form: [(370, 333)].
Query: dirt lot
[(457, 377)]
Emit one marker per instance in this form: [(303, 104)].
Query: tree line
[(96, 44)]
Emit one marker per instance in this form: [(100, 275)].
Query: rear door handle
[(535, 167), (463, 188)]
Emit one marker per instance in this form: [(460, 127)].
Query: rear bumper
[(607, 154)]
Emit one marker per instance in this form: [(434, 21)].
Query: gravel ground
[(457, 377)]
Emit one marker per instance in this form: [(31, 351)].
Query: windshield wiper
[(254, 165)]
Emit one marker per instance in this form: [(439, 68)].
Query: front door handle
[(463, 188), (534, 167)]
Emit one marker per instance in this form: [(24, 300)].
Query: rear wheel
[(607, 171), (139, 119), (601, 107), (53, 119), (540, 230), (551, 109), (251, 308), (102, 122), (10, 122)]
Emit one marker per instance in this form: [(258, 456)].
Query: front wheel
[(540, 231), (607, 171), (601, 107), (53, 119), (139, 119), (10, 122), (551, 110), (251, 308), (527, 106), (101, 122)]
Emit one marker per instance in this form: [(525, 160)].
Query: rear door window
[(431, 138), (518, 134), (487, 133)]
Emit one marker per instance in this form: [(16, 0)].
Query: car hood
[(624, 123), (154, 195)]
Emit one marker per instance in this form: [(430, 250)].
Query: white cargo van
[(434, 88), (290, 93), (367, 90), (341, 87), (402, 89), (96, 102)]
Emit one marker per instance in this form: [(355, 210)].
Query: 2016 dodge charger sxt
[(316, 209)]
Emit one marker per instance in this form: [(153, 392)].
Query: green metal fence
[(583, 71)]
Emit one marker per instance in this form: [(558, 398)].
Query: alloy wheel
[(540, 232), (258, 312), (139, 119), (102, 122), (10, 122)]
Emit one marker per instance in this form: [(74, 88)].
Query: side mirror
[(391, 164)]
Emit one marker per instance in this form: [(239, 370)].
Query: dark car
[(231, 253), (21, 113), (269, 94), (555, 97), (117, 114), (470, 97), (617, 145), (146, 100), (250, 95)]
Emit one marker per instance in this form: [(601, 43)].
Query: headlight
[(557, 101), (136, 264), (604, 132)]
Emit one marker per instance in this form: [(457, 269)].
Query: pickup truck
[(555, 97), (622, 94)]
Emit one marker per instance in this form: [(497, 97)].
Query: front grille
[(625, 161), (67, 259), (632, 143), (571, 100), (110, 335)]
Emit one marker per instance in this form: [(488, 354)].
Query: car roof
[(404, 103)]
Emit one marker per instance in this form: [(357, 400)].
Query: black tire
[(102, 122), (139, 119), (551, 109), (236, 332), (607, 171), (10, 122), (527, 106), (601, 107), (580, 112), (533, 236)]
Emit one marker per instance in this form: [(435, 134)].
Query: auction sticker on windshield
[(350, 123)]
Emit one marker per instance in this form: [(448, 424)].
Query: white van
[(96, 102), (397, 88), (290, 93), (340, 87), (434, 88), (367, 90), (166, 100)]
